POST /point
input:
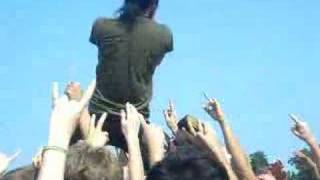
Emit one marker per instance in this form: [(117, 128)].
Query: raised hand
[(170, 116), (214, 109), (130, 122), (208, 137), (130, 126), (96, 137), (6, 160), (154, 138), (65, 114), (300, 154), (73, 91), (301, 129)]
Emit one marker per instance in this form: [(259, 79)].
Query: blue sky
[(260, 58)]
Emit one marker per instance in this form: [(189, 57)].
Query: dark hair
[(87, 163), (188, 163), (134, 8)]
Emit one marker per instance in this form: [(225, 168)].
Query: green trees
[(258, 161)]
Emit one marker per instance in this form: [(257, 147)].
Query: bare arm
[(207, 136), (156, 150), (303, 132), (63, 121), (130, 123), (239, 159), (309, 163)]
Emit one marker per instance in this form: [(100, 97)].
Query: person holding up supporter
[(130, 47), (130, 125), (239, 159)]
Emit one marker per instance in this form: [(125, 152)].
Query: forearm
[(156, 153), (315, 150), (232, 175), (135, 164), (53, 165), (313, 167), (239, 159)]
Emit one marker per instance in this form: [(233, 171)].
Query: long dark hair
[(131, 9)]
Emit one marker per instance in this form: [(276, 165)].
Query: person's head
[(188, 119), (134, 8), (87, 163), (188, 163)]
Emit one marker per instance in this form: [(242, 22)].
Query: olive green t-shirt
[(128, 56)]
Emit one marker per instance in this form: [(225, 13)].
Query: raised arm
[(239, 160), (63, 121), (309, 163), (303, 132), (206, 136), (130, 124), (154, 138)]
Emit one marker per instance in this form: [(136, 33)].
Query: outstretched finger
[(128, 109), (206, 96), (142, 120), (55, 92), (123, 116), (92, 123), (101, 121), (165, 114), (88, 94), (294, 118), (171, 106), (133, 109)]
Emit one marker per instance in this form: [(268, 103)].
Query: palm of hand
[(214, 110), (302, 130), (64, 114), (130, 121), (97, 137), (171, 118)]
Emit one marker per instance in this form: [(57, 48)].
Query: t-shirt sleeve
[(95, 31), (168, 39)]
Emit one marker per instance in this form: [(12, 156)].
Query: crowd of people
[(191, 151), (104, 133)]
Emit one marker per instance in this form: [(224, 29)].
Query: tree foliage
[(258, 161)]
